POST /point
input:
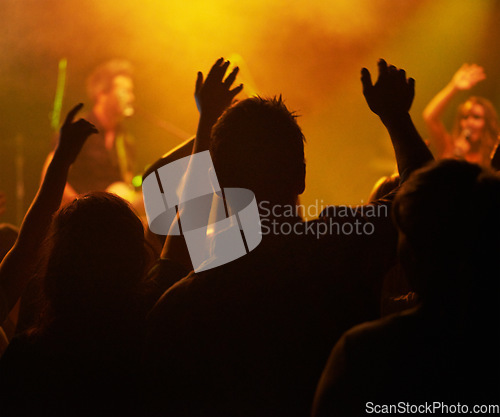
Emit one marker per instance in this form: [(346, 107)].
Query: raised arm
[(69, 193), (213, 95), (18, 265), (391, 98), (465, 78)]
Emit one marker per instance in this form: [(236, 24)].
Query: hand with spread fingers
[(468, 76), (392, 94), (214, 94), (391, 98), (73, 135)]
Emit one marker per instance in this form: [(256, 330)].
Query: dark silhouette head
[(257, 144), (97, 257), (447, 215)]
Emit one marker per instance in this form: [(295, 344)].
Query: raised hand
[(73, 135), (213, 95), (20, 264), (468, 76), (392, 94)]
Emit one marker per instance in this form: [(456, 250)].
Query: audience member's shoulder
[(179, 289), (385, 329)]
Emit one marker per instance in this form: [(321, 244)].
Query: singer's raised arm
[(441, 139)]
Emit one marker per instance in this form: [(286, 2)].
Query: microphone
[(128, 111), (466, 133), (462, 147)]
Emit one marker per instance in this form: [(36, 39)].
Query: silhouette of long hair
[(96, 260)]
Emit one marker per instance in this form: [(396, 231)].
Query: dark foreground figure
[(446, 349)]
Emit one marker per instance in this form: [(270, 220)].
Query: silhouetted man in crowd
[(251, 337)]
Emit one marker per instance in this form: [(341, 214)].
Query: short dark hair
[(257, 144), (101, 79)]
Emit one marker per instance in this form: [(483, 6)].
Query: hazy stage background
[(310, 52)]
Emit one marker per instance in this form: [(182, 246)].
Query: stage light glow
[(311, 53)]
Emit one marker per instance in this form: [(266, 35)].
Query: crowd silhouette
[(319, 319)]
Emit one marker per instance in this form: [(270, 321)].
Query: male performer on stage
[(106, 160)]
